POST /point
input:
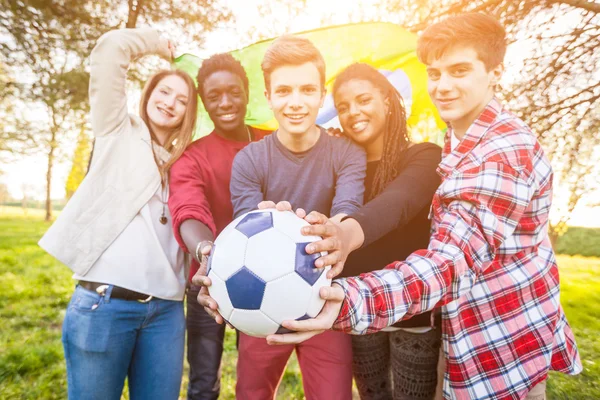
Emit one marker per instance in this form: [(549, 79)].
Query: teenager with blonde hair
[(297, 156), (125, 319)]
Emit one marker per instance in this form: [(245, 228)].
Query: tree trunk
[(49, 176), (134, 11)]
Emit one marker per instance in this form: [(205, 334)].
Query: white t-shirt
[(454, 141), (145, 257)]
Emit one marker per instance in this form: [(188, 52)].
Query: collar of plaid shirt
[(477, 130)]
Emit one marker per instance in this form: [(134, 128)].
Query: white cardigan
[(123, 175)]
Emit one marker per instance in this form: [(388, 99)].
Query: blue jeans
[(106, 340)]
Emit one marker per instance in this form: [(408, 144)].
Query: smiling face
[(225, 100), (295, 96), (362, 110), (460, 86), (167, 103)]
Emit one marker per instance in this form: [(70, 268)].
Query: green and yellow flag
[(387, 47)]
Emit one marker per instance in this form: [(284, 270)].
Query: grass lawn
[(35, 290)]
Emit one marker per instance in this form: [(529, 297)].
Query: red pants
[(325, 361)]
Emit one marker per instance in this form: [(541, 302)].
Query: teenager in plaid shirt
[(489, 264)]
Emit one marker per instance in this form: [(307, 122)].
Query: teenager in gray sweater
[(327, 176), (299, 163)]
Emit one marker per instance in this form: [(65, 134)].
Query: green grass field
[(35, 290)]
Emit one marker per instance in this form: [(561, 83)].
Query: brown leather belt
[(117, 292)]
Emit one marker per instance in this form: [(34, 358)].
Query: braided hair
[(395, 139)]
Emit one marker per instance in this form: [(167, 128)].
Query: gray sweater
[(328, 178)]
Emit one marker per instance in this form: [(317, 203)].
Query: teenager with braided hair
[(392, 139), (401, 362)]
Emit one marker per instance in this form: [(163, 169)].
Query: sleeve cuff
[(348, 211), (344, 321), (364, 224), (180, 219)]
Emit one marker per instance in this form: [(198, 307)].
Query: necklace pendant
[(163, 220)]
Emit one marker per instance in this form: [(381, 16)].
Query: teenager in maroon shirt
[(200, 203)]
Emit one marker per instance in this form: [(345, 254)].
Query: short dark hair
[(291, 50), (479, 31), (220, 62)]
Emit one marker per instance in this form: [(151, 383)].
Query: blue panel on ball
[(245, 290), (286, 330), (305, 264), (255, 223)]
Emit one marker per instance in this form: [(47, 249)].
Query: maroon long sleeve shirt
[(199, 184)]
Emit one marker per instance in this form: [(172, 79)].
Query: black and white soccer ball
[(261, 274)]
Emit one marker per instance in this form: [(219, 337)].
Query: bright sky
[(28, 174)]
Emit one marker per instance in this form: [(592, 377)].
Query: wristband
[(199, 247)]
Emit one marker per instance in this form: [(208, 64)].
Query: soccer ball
[(261, 274)]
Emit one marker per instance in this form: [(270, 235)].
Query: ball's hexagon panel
[(255, 222), (286, 330), (228, 254), (218, 291), (316, 303), (270, 255), (231, 226), (290, 224), (286, 298), (246, 290), (305, 264), (253, 322)]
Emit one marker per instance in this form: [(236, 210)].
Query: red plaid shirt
[(489, 264)]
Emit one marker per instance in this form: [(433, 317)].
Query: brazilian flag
[(387, 47)]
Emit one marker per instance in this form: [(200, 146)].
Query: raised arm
[(109, 62), (476, 221), (245, 185)]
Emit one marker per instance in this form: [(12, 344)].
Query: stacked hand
[(304, 330), (200, 279), (337, 132), (334, 242)]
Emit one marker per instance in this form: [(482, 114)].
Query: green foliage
[(81, 158), (580, 297), (35, 290), (67, 90), (551, 85), (13, 139), (48, 41), (580, 241)]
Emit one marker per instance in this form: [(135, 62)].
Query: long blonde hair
[(180, 137)]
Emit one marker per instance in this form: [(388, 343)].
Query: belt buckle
[(101, 290), (145, 300)]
